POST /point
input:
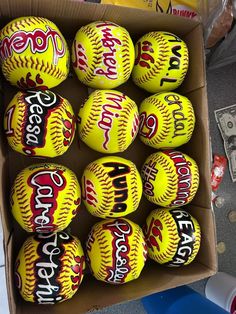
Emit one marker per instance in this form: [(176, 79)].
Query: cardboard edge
[(110, 8), (214, 268), (9, 274), (207, 273), (197, 29), (10, 238)]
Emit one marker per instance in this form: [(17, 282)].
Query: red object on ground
[(217, 172)]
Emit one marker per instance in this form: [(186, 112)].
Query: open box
[(70, 15)]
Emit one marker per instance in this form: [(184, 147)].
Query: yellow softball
[(45, 197), (116, 250), (103, 55), (49, 268), (33, 53), (111, 187), (161, 62), (167, 120), (39, 123), (108, 121), (173, 236), (170, 178)]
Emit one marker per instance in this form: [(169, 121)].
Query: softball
[(173, 236), (103, 55), (111, 187), (167, 120), (49, 268), (116, 250), (45, 197), (161, 62), (170, 178), (108, 121), (39, 123), (33, 53)]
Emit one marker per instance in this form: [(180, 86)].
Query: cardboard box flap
[(9, 260), (196, 61), (70, 15), (202, 152), (207, 253), (4, 173), (70, 10), (65, 14), (101, 294)]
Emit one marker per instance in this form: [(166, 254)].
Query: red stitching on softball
[(191, 120), (127, 66), (16, 140), (95, 111), (19, 24), (134, 187), (126, 113), (24, 61), (107, 190), (29, 249), (97, 52), (103, 261), (172, 181), (134, 250)]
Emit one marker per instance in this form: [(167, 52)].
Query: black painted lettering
[(167, 80), (119, 169), (173, 38), (172, 99), (175, 51), (120, 182), (186, 230), (121, 195), (174, 63), (186, 238), (185, 251)]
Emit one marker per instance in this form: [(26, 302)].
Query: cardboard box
[(69, 15)]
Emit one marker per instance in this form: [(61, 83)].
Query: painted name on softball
[(119, 182), (46, 185), (120, 244), (37, 40), (186, 231), (47, 269), (183, 171), (109, 112), (177, 114), (39, 105), (146, 56), (110, 43), (175, 58)]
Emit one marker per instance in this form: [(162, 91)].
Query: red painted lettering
[(110, 43), (120, 230), (46, 184), (184, 174), (110, 110), (37, 41)]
